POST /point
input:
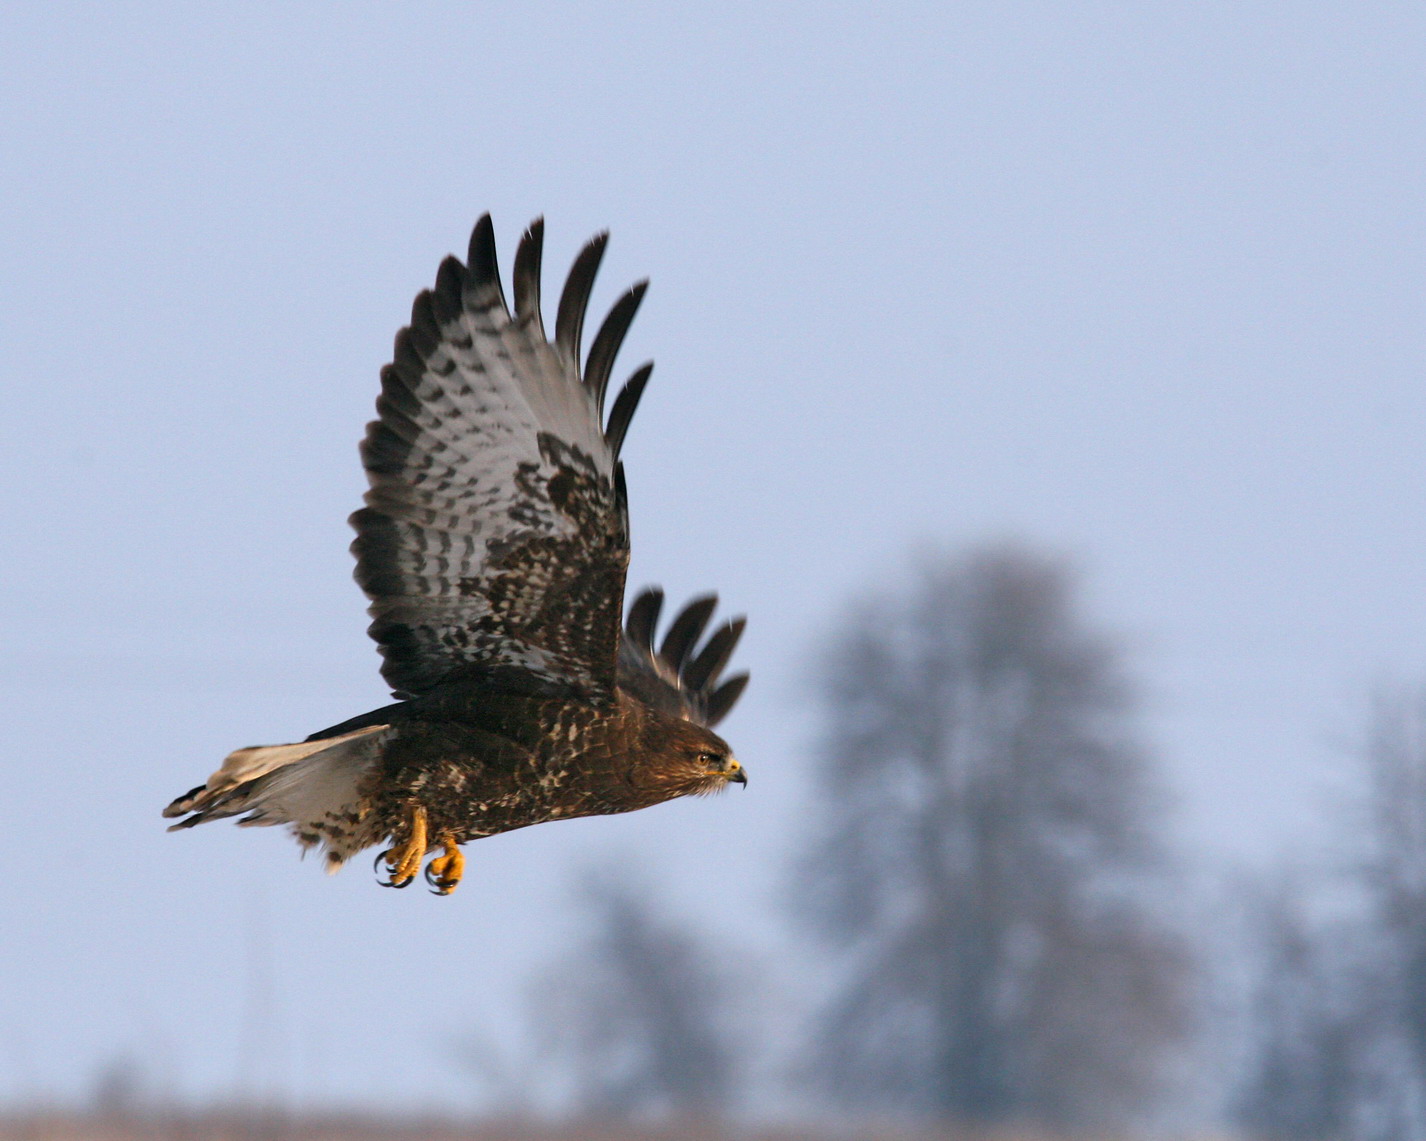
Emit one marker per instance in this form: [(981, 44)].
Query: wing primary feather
[(527, 274), (607, 341), (687, 628), (569, 321), (724, 698), (406, 361), (621, 501), (624, 405), (709, 662), (425, 330), (450, 287), (644, 618), (484, 267)]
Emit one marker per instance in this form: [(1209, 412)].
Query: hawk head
[(684, 758)]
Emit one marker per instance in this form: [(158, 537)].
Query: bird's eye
[(712, 760)]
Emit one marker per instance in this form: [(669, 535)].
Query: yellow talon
[(404, 861), (444, 872)]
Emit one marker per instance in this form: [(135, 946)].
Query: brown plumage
[(493, 546)]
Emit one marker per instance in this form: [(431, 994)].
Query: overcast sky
[(1139, 284)]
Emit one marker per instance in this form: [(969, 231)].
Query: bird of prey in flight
[(493, 546)]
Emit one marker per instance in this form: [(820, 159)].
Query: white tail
[(312, 785)]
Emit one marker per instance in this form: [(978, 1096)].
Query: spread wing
[(495, 534), (677, 677)]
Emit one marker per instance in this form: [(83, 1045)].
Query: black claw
[(439, 884), (376, 867)]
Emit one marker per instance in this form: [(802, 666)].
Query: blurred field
[(277, 1127)]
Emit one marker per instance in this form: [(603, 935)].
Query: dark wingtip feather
[(407, 362), (181, 804), (607, 341), (711, 660), (451, 280), (725, 697), (644, 618), (425, 330), (528, 258), (484, 267), (686, 629), (621, 501), (569, 321), (624, 406)]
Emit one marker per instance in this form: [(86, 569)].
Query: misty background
[(1135, 287)]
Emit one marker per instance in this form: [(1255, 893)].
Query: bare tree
[(1394, 872), (637, 1016), (1303, 1076), (1340, 1042), (985, 851), (1391, 936)]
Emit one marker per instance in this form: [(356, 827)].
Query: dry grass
[(250, 1126)]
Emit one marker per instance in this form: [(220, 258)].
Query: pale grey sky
[(1139, 283)]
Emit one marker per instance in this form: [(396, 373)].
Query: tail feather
[(312, 785)]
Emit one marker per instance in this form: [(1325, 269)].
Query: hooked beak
[(738, 775)]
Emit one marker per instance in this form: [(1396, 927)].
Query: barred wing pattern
[(678, 677), (495, 536)]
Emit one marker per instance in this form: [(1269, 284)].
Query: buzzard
[(493, 546)]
